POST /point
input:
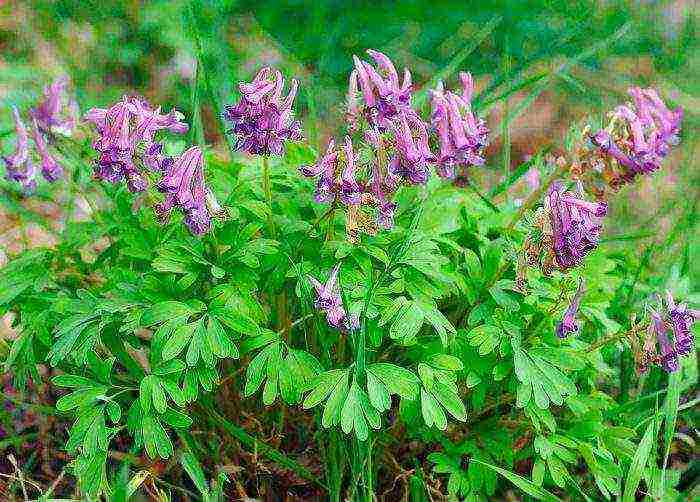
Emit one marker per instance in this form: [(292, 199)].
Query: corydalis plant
[(397, 142), (54, 114), (667, 338), (462, 136), (565, 229), (263, 120), (126, 140), (638, 137), (183, 186), (329, 302)]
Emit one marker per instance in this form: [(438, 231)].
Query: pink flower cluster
[(126, 140)]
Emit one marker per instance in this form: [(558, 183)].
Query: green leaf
[(236, 321), (164, 311), (639, 462), (194, 471), (178, 340), (396, 379), (80, 398)]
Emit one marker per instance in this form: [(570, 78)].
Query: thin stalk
[(267, 188)]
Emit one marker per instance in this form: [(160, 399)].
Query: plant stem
[(267, 188)]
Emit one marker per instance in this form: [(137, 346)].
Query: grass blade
[(422, 95), (673, 396), (563, 68), (639, 462), (525, 485)]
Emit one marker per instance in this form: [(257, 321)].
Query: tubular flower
[(329, 302), (56, 113), (19, 165), (681, 319), (575, 224), (263, 120), (50, 169), (183, 186), (384, 97), (462, 136), (568, 323), (412, 155), (127, 139), (668, 357), (639, 136)]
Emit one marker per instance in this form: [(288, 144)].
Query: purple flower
[(329, 302), (668, 357), (568, 323), (649, 130), (681, 319), (56, 113), (184, 187), (410, 162), (263, 120), (462, 136), (384, 97), (19, 165), (127, 139), (50, 169), (576, 224)]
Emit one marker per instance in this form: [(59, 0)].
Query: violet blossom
[(681, 319), (575, 222), (56, 113), (127, 140), (568, 324), (383, 95), (329, 301), (668, 357), (50, 169), (412, 156), (462, 136), (263, 120), (648, 129), (19, 165), (183, 186)]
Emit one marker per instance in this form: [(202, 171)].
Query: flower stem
[(267, 188)]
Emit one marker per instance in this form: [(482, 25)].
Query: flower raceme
[(462, 135), (183, 186), (56, 113), (126, 140), (263, 120), (670, 329), (382, 96), (568, 324), (575, 224), (639, 135), (329, 302)]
